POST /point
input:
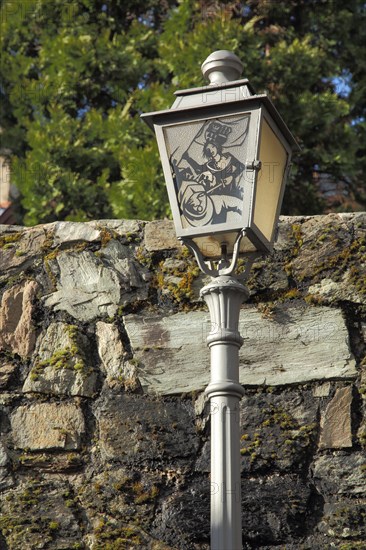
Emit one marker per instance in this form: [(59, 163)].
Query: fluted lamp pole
[(225, 153)]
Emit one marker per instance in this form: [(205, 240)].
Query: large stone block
[(299, 344), (17, 331), (47, 426), (91, 286), (336, 429), (60, 366), (21, 249), (71, 232)]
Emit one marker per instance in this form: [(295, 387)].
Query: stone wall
[(104, 429)]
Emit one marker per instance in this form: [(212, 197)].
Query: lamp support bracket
[(224, 267)]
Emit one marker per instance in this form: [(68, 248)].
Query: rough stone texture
[(89, 287), (340, 474), (113, 362), (59, 366), (48, 426), (86, 288), (21, 249), (322, 390), (40, 515), (104, 427), (123, 425), (160, 235), (124, 228), (335, 424), (66, 232), (17, 332), (7, 370)]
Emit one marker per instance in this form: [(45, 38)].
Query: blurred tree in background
[(76, 74)]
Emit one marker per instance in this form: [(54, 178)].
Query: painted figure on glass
[(208, 176)]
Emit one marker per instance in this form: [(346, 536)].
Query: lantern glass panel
[(207, 160), (274, 158)]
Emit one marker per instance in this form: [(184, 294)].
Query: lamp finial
[(222, 66)]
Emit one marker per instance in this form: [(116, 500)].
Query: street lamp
[(225, 154)]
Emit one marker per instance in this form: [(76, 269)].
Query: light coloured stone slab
[(337, 290), (47, 426), (322, 390), (68, 232), (300, 345), (110, 349), (124, 228)]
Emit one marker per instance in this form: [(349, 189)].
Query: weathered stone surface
[(86, 289), (4, 461), (328, 256), (124, 228), (119, 258), (299, 345), (345, 520), (182, 521), (70, 232), (21, 252), (113, 357), (62, 381), (110, 349), (125, 420), (322, 237), (340, 474), (60, 366), (39, 515), (6, 373), (117, 507), (17, 331), (165, 348), (160, 235), (92, 285), (335, 423), (48, 426), (285, 230), (277, 505), (278, 432), (322, 390), (334, 291)]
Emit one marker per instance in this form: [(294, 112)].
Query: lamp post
[(226, 154)]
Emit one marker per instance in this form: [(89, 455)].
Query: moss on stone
[(63, 358), (9, 240)]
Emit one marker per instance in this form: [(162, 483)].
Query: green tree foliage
[(76, 74)]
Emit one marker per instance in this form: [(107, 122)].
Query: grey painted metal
[(224, 296), (222, 66), (224, 266)]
